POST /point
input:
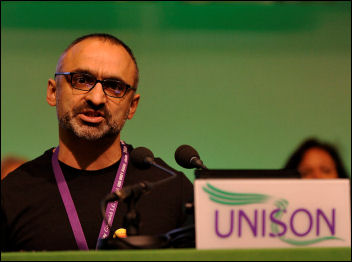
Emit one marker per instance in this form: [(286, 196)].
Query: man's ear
[(134, 104), (51, 92)]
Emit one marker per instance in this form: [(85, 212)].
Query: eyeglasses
[(86, 82)]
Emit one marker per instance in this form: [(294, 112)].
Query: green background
[(243, 82)]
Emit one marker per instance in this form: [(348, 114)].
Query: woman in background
[(315, 159)]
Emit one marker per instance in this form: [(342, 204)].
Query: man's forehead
[(95, 52), (91, 46)]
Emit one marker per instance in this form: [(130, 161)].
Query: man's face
[(94, 115)]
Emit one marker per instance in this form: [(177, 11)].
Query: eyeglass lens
[(111, 87)]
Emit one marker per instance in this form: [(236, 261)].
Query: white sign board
[(272, 213)]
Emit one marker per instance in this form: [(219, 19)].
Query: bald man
[(53, 201)]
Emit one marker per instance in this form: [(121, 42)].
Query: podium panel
[(272, 213)]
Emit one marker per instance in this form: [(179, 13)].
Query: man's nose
[(96, 95)]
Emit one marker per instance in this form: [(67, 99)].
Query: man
[(53, 201)]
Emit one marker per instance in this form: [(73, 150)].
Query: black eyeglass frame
[(96, 81)]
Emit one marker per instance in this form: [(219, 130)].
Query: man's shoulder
[(35, 168)]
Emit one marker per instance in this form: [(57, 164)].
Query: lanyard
[(70, 206)]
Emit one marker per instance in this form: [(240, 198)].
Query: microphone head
[(184, 155), (142, 157)]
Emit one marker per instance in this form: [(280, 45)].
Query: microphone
[(136, 189), (129, 194), (142, 157), (187, 157)]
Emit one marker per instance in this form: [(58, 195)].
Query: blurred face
[(317, 163), (93, 115)]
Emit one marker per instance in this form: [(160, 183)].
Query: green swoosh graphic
[(242, 195), (308, 242), (281, 204), (229, 198), (239, 202), (233, 198)]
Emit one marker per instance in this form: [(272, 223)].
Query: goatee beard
[(89, 131)]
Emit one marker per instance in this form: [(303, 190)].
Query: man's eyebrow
[(85, 71)]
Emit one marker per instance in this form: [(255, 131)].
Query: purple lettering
[(278, 222), (310, 222), (331, 225), (123, 167), (217, 225), (263, 222), (253, 227)]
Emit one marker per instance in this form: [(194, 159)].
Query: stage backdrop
[(244, 83)]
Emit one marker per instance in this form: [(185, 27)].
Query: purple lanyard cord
[(70, 206)]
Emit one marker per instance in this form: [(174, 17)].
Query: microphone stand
[(132, 218), (131, 222)]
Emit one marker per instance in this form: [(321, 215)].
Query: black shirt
[(33, 216)]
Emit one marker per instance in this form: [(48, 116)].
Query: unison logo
[(281, 220)]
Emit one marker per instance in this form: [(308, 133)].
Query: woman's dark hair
[(295, 159)]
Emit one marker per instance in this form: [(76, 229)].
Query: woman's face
[(317, 163)]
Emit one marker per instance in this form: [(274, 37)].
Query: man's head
[(103, 37), (91, 114)]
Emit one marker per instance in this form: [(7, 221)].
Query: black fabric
[(33, 216)]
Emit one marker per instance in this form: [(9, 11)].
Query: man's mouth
[(91, 116)]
